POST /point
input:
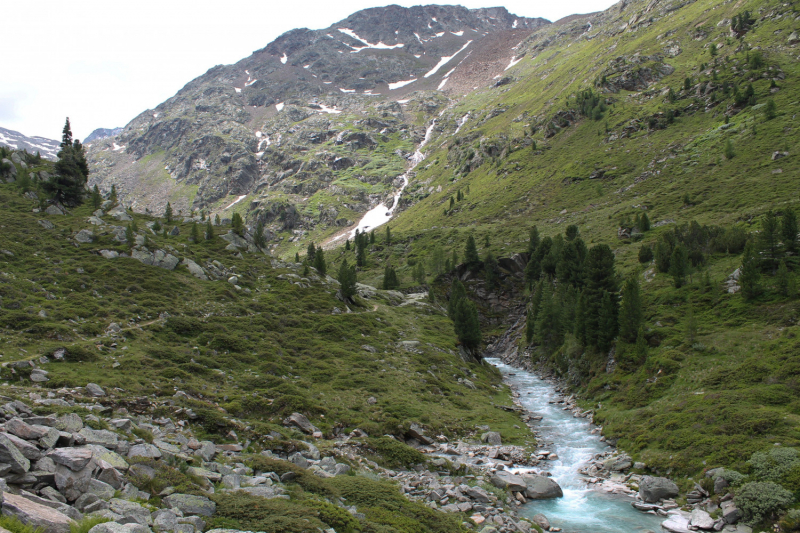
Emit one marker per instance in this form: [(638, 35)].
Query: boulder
[(301, 422), (676, 522), (701, 519), (541, 521), (54, 210), (148, 451), (95, 390), (730, 513), (73, 483), (102, 437), (114, 527), (415, 431), (24, 430), (191, 504), (541, 487), (506, 480), (478, 494), (73, 458), (28, 450), (653, 489), (84, 236), (195, 269), (11, 455), (36, 515), (492, 438)]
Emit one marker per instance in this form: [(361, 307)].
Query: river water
[(582, 509)]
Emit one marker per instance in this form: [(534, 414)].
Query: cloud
[(9, 108)]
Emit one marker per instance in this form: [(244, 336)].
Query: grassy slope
[(738, 394), (259, 355)]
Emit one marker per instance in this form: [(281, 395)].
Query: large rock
[(301, 422), (478, 494), (191, 504), (652, 489), (11, 455), (73, 483), (195, 269), (148, 451), (541, 488), (24, 430), (31, 452), (84, 236), (492, 438), (36, 515), (701, 519), (73, 458), (95, 390), (677, 522), (102, 437), (415, 431), (730, 513), (114, 527), (506, 480)]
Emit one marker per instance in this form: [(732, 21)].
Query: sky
[(102, 62)]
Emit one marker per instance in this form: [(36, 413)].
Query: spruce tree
[(237, 224), (663, 253), (466, 324), (548, 321), (750, 273), (388, 236), (319, 262), (491, 271), (569, 269), (156, 226), (209, 230), (630, 312), (129, 236), (310, 252), (371, 237), (784, 281), (600, 281), (347, 278), (457, 292), (789, 230), (571, 232), (195, 234), (68, 183), (97, 199), (768, 239), (645, 254), (390, 279), (259, 239), (347, 245), (297, 257), (168, 213), (533, 240), (216, 220), (471, 252), (644, 223), (112, 196), (679, 266)]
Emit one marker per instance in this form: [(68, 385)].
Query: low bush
[(759, 500), (393, 453)]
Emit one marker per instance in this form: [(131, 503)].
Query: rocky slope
[(314, 127), (102, 133), (48, 148)]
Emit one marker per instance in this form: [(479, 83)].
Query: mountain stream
[(582, 509)]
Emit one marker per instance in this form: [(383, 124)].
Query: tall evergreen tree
[(679, 265), (195, 233), (768, 239), (600, 280), (466, 324), (533, 240), (347, 278), (789, 230), (630, 312), (471, 252), (97, 199), (347, 245), (371, 237), (319, 262), (784, 281), (68, 183), (644, 223), (750, 273), (572, 232), (548, 321), (258, 238), (608, 321), (209, 230), (570, 265), (663, 253), (237, 224), (217, 221), (388, 236), (390, 279), (457, 292), (112, 196), (454, 260), (311, 251), (168, 213), (491, 271)]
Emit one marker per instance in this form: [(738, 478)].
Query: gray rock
[(730, 513), (70, 422), (165, 260), (103, 437), (206, 451), (11, 455), (175, 231), (618, 463), (195, 269), (24, 430), (701, 519), (478, 494), (301, 422), (36, 514), (72, 484), (541, 521), (95, 390), (108, 254), (541, 487), (28, 450), (191, 504), (54, 210), (102, 490), (415, 431), (147, 451), (506, 480), (46, 224), (341, 470), (492, 437), (73, 458), (165, 520), (141, 515), (85, 500), (84, 236), (652, 489), (39, 376)]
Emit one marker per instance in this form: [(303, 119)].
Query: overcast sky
[(103, 62)]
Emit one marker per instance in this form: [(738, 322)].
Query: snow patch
[(155, 115), (458, 33), (285, 58), (237, 89), (249, 83), (279, 106), (417, 55), (306, 66), (398, 84), (515, 23), (258, 134), (444, 61), (440, 34), (330, 110), (442, 84), (403, 101), (367, 44), (242, 197), (417, 36), (118, 148), (327, 82), (434, 19), (463, 120), (347, 90), (514, 61)]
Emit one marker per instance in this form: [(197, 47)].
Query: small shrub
[(395, 453), (791, 522), (14, 525), (759, 500), (774, 464)]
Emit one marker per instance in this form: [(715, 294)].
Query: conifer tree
[(644, 223), (156, 226), (679, 265), (319, 262), (630, 312), (491, 271), (784, 282), (750, 273), (789, 230), (600, 281), (68, 183), (195, 234), (97, 199), (388, 236), (768, 239), (372, 237), (471, 252), (258, 238), (645, 254), (237, 224), (112, 196), (209, 230), (216, 220), (297, 257), (663, 253), (533, 240), (572, 232), (548, 321), (129, 236), (347, 278), (466, 324), (457, 292), (310, 252), (168, 213), (390, 279), (347, 245), (607, 321)]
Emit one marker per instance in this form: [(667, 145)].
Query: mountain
[(102, 133), (48, 148), (333, 112)]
